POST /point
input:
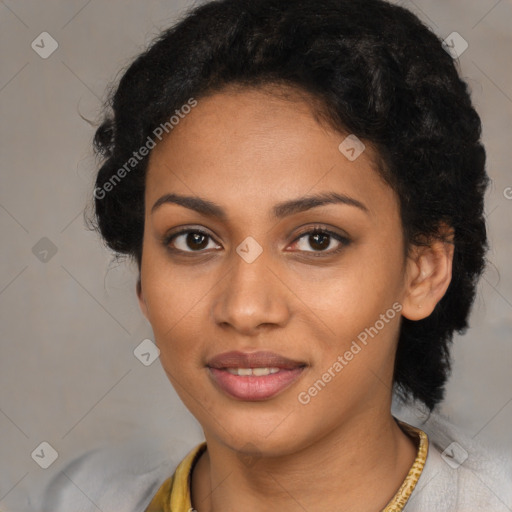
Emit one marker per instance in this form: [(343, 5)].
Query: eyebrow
[(280, 210)]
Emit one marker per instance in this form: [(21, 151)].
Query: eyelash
[(343, 240)]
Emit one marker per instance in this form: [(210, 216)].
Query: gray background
[(69, 324)]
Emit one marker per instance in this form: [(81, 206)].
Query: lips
[(253, 376), (253, 360)]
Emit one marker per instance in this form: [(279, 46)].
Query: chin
[(254, 430)]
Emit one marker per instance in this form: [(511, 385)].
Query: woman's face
[(246, 277)]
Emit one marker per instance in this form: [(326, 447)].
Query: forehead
[(260, 144)]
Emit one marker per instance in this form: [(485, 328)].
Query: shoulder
[(460, 474), (123, 477)]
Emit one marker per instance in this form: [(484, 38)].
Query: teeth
[(261, 371), (258, 372)]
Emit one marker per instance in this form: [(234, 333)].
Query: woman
[(301, 185)]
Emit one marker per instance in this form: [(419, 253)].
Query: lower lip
[(252, 387)]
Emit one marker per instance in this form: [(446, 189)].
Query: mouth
[(253, 376)]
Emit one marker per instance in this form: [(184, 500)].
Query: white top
[(124, 478)]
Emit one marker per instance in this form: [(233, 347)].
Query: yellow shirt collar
[(174, 494)]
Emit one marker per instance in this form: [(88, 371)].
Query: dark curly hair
[(376, 71)]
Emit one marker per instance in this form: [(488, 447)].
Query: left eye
[(320, 241)]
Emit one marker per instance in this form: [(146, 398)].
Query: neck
[(332, 474)]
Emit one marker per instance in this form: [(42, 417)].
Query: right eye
[(188, 240)]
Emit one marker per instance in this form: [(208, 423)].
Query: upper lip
[(235, 359)]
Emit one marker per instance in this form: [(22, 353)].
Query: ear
[(428, 275), (142, 301)]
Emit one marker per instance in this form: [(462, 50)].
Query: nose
[(251, 297)]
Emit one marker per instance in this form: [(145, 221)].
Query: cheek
[(354, 293), (360, 304), (174, 302)]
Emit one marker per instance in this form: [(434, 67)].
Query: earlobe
[(142, 300), (429, 272)]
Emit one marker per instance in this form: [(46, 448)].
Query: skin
[(247, 150)]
